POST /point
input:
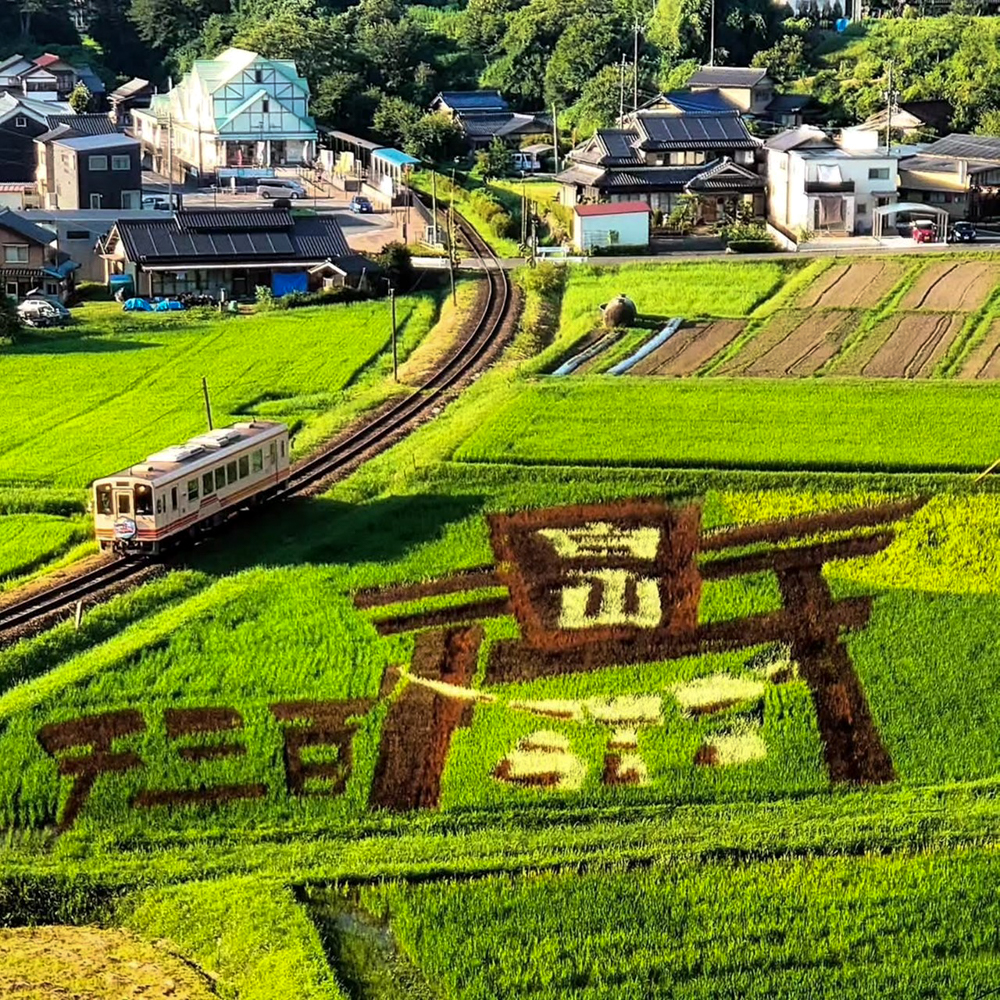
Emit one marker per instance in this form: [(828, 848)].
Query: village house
[(123, 100), (236, 115), (91, 171), (47, 78), (232, 252), (818, 184), (959, 173), (31, 260), (484, 115), (660, 157), (747, 88)]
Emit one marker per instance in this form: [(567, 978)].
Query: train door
[(123, 503)]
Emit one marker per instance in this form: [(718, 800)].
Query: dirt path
[(857, 285), (690, 348), (953, 285), (984, 361), (795, 343), (915, 346), (66, 963)]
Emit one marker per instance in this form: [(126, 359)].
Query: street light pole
[(392, 309)]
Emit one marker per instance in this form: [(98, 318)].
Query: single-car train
[(184, 490)]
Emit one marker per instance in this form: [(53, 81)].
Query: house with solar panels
[(229, 253), (658, 157), (238, 114), (484, 115)]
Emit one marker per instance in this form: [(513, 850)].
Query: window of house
[(122, 162), (78, 234), (265, 106), (51, 288), (15, 253), (862, 208), (97, 163), (258, 76), (95, 200), (20, 122), (878, 173), (10, 289)]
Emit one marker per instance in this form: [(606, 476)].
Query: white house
[(621, 223), (822, 185), (236, 114)]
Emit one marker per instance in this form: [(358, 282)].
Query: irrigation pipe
[(651, 345)]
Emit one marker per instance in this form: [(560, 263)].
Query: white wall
[(593, 230)]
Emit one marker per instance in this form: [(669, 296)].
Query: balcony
[(830, 187)]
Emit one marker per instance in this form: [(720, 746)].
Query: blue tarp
[(651, 345), (137, 305), (168, 305), (284, 282)]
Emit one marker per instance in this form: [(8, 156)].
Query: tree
[(600, 100), (494, 161), (989, 122), (10, 322), (79, 100), (394, 118), (785, 61), (484, 23), (433, 137), (396, 263)]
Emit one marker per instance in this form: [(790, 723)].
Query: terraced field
[(592, 687)]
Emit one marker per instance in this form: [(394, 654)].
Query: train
[(184, 490)]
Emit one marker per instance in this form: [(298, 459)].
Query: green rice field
[(597, 688)]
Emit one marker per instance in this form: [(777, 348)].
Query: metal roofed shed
[(624, 223), (881, 213)]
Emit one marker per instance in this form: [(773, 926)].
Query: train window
[(206, 484), (220, 478), (282, 449), (231, 472), (244, 466), (143, 500), (272, 454), (159, 505), (192, 489), (104, 505), (124, 503), (257, 460), (173, 499)]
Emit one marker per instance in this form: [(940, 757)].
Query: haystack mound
[(620, 311)]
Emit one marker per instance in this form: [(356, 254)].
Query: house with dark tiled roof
[(30, 259), (747, 88), (233, 251), (959, 173), (657, 157), (484, 115)]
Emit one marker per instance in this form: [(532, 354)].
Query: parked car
[(280, 187), (962, 232), (361, 205), (43, 312), (924, 231), (524, 161), (156, 202)]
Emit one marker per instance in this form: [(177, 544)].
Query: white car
[(43, 312), (280, 187), (157, 202)]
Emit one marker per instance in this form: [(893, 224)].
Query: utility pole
[(392, 308), (170, 157), (555, 136), (434, 203), (451, 239), (635, 67), (711, 37), (621, 91), (890, 98), (208, 405)]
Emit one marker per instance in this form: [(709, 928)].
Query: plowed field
[(859, 285), (961, 285), (794, 343), (915, 345), (690, 348), (984, 361)]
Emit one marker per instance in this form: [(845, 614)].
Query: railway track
[(336, 460)]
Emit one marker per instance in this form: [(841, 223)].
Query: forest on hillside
[(374, 65)]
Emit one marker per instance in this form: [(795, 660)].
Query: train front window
[(105, 505), (143, 500), (124, 503)]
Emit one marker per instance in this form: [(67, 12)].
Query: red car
[(924, 231)]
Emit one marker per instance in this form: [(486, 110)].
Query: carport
[(883, 211)]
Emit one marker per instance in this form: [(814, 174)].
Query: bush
[(92, 291), (765, 245), (327, 297), (264, 298), (396, 263), (10, 322)]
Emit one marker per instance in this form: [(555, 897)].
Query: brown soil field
[(915, 345), (690, 348), (960, 285), (984, 361), (859, 285), (62, 963), (795, 343)]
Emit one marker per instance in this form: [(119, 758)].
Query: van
[(279, 187)]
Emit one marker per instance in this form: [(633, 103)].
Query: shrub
[(264, 297), (10, 322), (396, 263), (326, 297), (92, 291)]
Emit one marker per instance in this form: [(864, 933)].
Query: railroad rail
[(336, 460)]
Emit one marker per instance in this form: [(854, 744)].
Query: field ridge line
[(972, 334)]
